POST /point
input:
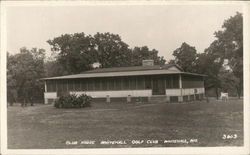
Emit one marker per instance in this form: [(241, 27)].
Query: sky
[(160, 27)]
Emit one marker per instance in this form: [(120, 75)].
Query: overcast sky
[(163, 28)]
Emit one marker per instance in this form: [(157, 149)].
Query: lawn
[(194, 124)]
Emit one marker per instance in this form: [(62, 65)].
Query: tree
[(54, 68), (185, 57), (111, 50), (210, 64), (23, 72), (231, 38), (76, 52), (143, 53)]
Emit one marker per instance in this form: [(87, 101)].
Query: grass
[(43, 126)]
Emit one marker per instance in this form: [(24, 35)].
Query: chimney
[(147, 62)]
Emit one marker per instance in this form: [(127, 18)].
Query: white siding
[(115, 93), (50, 95), (179, 92), (173, 92), (190, 91)]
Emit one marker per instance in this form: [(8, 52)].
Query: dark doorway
[(158, 86)]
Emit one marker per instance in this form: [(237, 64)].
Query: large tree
[(23, 72), (185, 57), (210, 64), (231, 38), (143, 53), (75, 52), (111, 50)]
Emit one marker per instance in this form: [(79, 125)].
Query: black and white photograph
[(135, 76)]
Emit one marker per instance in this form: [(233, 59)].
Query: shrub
[(73, 101)]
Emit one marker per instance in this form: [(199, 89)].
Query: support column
[(180, 98), (45, 86), (45, 91)]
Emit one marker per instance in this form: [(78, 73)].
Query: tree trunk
[(238, 92), (217, 93)]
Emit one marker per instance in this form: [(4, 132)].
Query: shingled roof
[(126, 71), (132, 68)]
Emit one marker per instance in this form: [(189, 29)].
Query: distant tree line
[(77, 52), (74, 53)]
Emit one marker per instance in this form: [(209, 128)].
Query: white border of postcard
[(166, 150)]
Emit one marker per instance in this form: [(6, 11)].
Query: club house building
[(149, 82)]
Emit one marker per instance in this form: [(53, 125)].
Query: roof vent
[(147, 62)]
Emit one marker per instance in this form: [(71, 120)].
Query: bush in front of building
[(73, 101)]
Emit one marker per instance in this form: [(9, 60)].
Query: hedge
[(73, 101)]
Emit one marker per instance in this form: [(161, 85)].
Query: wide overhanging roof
[(122, 73)]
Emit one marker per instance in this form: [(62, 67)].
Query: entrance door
[(158, 86)]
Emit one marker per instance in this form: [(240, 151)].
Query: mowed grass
[(43, 126)]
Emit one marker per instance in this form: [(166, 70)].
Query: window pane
[(90, 84), (148, 83), (132, 83), (71, 85), (104, 84), (48, 83), (77, 85), (111, 84), (59, 86), (168, 82), (64, 83), (54, 86), (118, 84), (176, 81), (125, 83), (140, 83), (97, 84), (84, 84)]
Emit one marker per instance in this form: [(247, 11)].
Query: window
[(90, 84), (71, 85), (51, 86), (140, 83), (118, 84), (97, 84), (65, 85), (168, 82), (59, 86), (104, 84), (176, 81), (148, 83), (84, 85), (192, 82), (77, 85), (111, 84), (132, 83), (48, 84), (125, 83)]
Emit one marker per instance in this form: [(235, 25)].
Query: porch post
[(180, 98), (45, 91), (45, 86)]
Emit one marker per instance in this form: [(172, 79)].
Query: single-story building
[(169, 83)]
